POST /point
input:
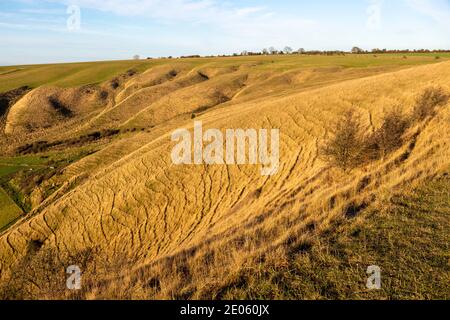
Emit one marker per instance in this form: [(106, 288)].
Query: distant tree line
[(290, 51), (358, 50)]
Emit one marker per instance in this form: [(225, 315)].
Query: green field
[(17, 175), (351, 61), (67, 74), (77, 74), (9, 211), (12, 165)]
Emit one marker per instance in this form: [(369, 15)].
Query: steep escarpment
[(182, 227)]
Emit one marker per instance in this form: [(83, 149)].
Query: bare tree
[(301, 51), (136, 57), (272, 50), (265, 51), (288, 50), (357, 50)]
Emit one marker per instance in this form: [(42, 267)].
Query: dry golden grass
[(185, 227)]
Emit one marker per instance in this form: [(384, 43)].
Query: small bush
[(42, 146), (427, 102), (389, 136), (345, 147), (115, 84), (350, 147)]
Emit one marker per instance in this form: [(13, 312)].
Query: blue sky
[(33, 31)]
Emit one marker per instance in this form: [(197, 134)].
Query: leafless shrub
[(389, 136), (344, 148), (428, 101), (349, 147)]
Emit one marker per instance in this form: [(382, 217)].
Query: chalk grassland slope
[(141, 94), (79, 74), (406, 236), (136, 203), (43, 107), (67, 74)]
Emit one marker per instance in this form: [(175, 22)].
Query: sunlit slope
[(76, 99), (47, 106), (142, 205), (178, 91), (67, 74), (78, 74)]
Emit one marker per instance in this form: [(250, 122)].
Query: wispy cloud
[(42, 11), (249, 10), (13, 25), (122, 28), (214, 13), (176, 10), (438, 10)]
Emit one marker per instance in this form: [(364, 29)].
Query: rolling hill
[(105, 194)]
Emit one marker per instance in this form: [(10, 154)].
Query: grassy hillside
[(166, 90), (66, 74), (407, 237), (77, 74), (9, 211), (116, 204)]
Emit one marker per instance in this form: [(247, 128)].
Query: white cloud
[(13, 25), (249, 11), (245, 26), (42, 11), (176, 10)]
